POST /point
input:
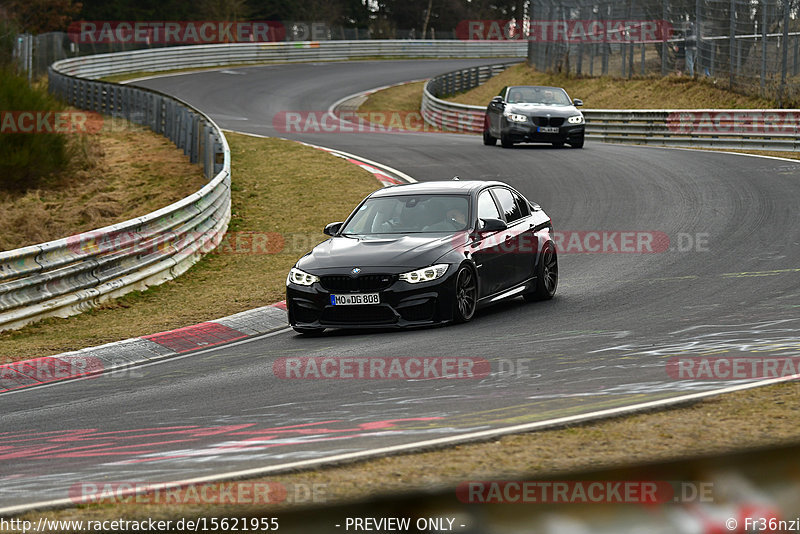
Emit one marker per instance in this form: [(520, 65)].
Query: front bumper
[(402, 305), (527, 132)]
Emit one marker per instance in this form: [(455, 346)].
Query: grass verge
[(289, 199)]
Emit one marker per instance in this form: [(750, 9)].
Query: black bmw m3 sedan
[(421, 254)]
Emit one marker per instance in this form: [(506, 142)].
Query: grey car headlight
[(301, 278), (424, 275), (575, 119), (516, 117)]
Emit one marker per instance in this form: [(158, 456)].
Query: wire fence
[(749, 46)]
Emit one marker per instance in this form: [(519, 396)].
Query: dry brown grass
[(405, 97), (124, 171), (672, 92)]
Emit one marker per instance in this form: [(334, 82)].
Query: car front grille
[(364, 283), (548, 121), (358, 315)]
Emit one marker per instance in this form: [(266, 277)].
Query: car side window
[(507, 204), (522, 204), (487, 209)]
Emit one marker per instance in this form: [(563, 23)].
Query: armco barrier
[(70, 275), (160, 59), (746, 129)]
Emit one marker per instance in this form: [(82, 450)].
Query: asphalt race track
[(727, 283)]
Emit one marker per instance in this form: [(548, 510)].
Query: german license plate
[(357, 298), (548, 129)]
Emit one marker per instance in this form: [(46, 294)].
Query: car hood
[(542, 109), (392, 253)]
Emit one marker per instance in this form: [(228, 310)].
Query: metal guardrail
[(73, 274), (160, 59), (746, 129)]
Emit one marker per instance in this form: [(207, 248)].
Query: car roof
[(436, 187), (536, 87)]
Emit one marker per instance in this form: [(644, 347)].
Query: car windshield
[(552, 96), (409, 214)]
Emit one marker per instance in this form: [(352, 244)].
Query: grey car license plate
[(358, 298), (548, 129)]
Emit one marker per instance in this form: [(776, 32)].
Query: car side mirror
[(333, 228), (493, 225), (577, 102), (498, 100)]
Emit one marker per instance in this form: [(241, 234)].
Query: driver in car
[(455, 219), (514, 97)]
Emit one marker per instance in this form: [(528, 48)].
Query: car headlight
[(577, 119), (301, 278), (425, 275), (516, 117)]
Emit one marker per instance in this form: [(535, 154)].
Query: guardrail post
[(169, 121), (96, 99), (184, 138), (219, 156)]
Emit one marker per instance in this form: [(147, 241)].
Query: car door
[(530, 222), (495, 113), (485, 249), (515, 239)]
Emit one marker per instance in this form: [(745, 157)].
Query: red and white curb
[(384, 174), (118, 355)]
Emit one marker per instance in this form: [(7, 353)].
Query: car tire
[(466, 298), (577, 143), (489, 139), (309, 332), (505, 141), (546, 275)]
